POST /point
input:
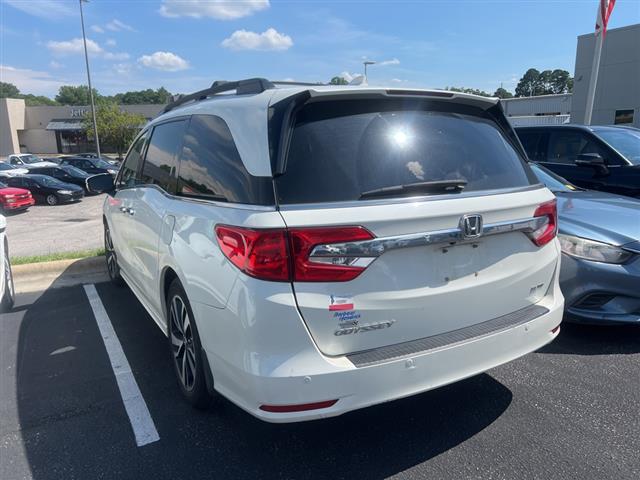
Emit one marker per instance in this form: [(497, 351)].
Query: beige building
[(47, 130)]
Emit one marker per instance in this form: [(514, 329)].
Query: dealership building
[(51, 129), (617, 100)]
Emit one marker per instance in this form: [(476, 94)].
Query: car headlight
[(592, 250), (65, 192)]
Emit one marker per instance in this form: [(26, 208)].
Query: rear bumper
[(305, 375), (580, 279)]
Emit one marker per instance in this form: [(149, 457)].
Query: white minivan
[(310, 250)]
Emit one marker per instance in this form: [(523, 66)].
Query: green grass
[(56, 256)]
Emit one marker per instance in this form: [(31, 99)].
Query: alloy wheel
[(110, 254), (52, 199), (182, 342)]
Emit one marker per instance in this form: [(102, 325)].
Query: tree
[(473, 91), (9, 90), (338, 81), (546, 82), (561, 81), (75, 95), (502, 93), (35, 100), (148, 96), (115, 127), (529, 85)]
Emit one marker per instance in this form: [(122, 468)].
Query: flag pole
[(593, 79)]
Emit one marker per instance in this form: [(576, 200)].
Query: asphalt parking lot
[(570, 410), (43, 229)]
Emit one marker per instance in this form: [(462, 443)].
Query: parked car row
[(27, 178)]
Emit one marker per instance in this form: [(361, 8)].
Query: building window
[(623, 116)]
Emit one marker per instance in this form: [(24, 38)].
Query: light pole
[(366, 63), (86, 59)]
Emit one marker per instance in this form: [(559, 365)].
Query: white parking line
[(143, 427)]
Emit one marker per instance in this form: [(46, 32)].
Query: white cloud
[(31, 81), (116, 56), (116, 25), (97, 28), (49, 9), (54, 64), (270, 39), (73, 46), (348, 76), (122, 68), (397, 80), (218, 9), (393, 61), (167, 61), (110, 42)]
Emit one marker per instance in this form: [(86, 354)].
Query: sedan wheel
[(52, 199)]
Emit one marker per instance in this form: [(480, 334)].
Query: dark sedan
[(47, 189), (90, 165), (599, 234), (593, 157), (66, 174)]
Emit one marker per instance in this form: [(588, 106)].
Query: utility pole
[(366, 63), (86, 59)]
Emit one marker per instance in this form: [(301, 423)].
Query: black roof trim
[(242, 87)]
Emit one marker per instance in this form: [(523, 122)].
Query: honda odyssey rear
[(337, 247)]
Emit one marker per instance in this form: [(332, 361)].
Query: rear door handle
[(124, 209)]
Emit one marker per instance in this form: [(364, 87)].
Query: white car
[(311, 250), (8, 170), (28, 160), (7, 292)]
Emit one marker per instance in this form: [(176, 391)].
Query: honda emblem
[(471, 225)]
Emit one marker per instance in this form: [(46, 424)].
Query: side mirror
[(592, 160), (101, 183)]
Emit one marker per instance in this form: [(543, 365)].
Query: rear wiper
[(437, 186)]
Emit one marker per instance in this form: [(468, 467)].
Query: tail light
[(549, 229), (258, 253), (284, 254)]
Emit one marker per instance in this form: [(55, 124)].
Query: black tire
[(52, 199), (113, 269), (6, 303), (186, 349)]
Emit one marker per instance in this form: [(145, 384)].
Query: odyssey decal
[(366, 327)]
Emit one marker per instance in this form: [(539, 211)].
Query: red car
[(14, 199)]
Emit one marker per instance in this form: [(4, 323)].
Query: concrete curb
[(33, 277), (75, 265)]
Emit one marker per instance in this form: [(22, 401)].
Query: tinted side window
[(210, 166), (160, 163), (129, 170), (564, 147), (531, 143)]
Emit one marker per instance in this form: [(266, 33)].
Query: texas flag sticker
[(339, 304)]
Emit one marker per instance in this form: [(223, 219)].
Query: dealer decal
[(340, 304)]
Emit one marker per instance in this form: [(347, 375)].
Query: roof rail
[(302, 84), (242, 87)]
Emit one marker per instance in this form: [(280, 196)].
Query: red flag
[(604, 12)]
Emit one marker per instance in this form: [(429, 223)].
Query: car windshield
[(30, 159), (6, 166), (76, 172), (47, 181), (98, 162), (625, 141), (553, 182)]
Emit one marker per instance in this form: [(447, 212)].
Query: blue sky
[(184, 45)]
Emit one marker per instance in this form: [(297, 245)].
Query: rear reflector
[(549, 229), (298, 408), (283, 254), (556, 329)]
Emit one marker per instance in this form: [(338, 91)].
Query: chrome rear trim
[(377, 246), (423, 345)]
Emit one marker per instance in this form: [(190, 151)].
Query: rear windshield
[(339, 150)]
